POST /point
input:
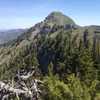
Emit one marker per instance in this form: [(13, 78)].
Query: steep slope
[(15, 54), (51, 21)]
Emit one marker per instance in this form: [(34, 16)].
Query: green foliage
[(59, 49), (72, 90), (97, 96), (50, 69), (56, 90), (67, 57), (87, 66), (80, 91), (25, 57)]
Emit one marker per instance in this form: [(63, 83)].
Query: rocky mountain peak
[(58, 18)]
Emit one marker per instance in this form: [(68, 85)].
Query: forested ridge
[(62, 56)]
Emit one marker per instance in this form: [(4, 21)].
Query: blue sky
[(25, 13)]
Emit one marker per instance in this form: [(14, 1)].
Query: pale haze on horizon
[(25, 13)]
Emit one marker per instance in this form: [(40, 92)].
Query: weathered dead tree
[(20, 88)]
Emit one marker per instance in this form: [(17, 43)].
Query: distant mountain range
[(6, 35)]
